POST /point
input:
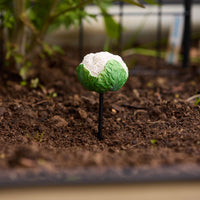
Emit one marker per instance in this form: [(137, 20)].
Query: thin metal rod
[(1, 42), (80, 40), (100, 117), (159, 34), (187, 33), (130, 14), (121, 4)]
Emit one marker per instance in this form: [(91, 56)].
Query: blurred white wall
[(145, 23)]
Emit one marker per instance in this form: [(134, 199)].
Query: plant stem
[(100, 116), (19, 9), (18, 36), (48, 19), (80, 5), (38, 36), (52, 15)]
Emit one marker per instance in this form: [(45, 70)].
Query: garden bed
[(149, 123)]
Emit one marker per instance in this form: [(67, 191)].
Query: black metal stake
[(1, 41), (187, 33), (80, 40), (100, 116), (121, 4), (159, 34)]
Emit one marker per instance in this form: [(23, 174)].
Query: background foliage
[(25, 23)]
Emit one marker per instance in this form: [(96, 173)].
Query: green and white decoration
[(102, 72)]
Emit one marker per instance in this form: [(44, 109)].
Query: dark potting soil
[(149, 122)]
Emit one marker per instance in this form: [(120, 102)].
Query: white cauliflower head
[(95, 62), (102, 72)]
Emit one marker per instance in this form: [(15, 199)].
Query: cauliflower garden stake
[(102, 72)]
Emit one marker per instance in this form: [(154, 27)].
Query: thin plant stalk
[(18, 36)]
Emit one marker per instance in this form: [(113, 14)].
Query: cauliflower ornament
[(102, 72)]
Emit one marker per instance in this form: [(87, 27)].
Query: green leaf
[(18, 58), (112, 27), (112, 78), (137, 3), (153, 141), (8, 20), (86, 79), (23, 83), (38, 11), (54, 94), (151, 2), (8, 54), (197, 101), (4, 4), (134, 2), (58, 49), (34, 83), (28, 64), (24, 70), (47, 49)]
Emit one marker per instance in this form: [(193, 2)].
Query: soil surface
[(151, 121)]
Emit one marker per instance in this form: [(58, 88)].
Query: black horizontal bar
[(168, 2), (142, 14)]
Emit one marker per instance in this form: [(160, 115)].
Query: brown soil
[(148, 122)]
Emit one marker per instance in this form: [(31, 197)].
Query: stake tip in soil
[(100, 116)]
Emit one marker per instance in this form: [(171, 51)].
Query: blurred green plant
[(197, 100), (38, 136), (26, 22), (153, 141)]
